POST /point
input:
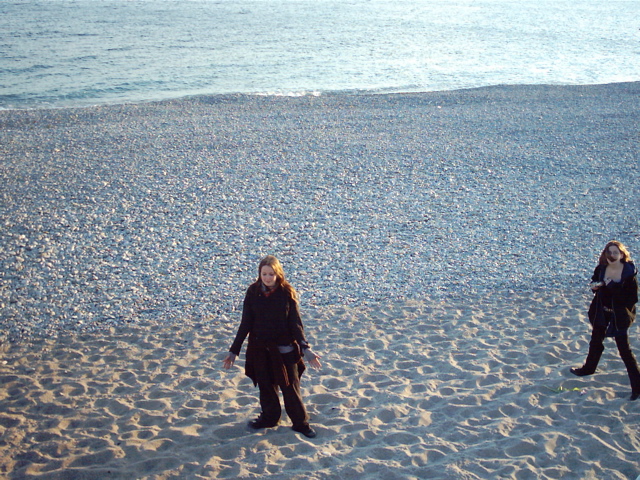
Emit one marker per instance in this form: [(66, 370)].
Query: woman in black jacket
[(271, 319), (613, 310)]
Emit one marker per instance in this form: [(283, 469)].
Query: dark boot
[(630, 362), (596, 347), (260, 422), (580, 371)]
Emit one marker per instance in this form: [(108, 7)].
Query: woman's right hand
[(228, 362)]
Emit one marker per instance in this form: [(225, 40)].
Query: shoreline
[(310, 93)]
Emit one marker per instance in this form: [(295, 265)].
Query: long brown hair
[(275, 264), (626, 257)]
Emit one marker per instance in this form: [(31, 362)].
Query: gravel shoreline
[(161, 211)]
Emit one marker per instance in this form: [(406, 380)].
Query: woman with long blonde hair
[(276, 348)]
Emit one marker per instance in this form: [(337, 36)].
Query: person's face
[(613, 254), (268, 276)]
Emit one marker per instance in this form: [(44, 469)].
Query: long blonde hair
[(626, 257), (275, 264)]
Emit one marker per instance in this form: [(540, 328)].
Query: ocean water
[(85, 52)]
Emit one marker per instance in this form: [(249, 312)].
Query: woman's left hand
[(312, 358)]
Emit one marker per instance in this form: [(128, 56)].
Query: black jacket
[(623, 300), (268, 320)]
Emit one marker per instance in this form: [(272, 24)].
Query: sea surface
[(56, 53)]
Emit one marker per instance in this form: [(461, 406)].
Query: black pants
[(596, 347), (270, 401)]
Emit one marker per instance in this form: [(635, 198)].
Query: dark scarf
[(268, 291)]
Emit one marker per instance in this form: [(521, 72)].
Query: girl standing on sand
[(271, 319), (613, 310)]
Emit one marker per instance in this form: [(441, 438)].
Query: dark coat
[(270, 321), (623, 300)]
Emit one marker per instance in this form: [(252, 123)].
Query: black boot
[(590, 365), (260, 422), (596, 347), (581, 371), (631, 364)]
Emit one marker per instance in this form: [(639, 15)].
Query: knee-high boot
[(630, 362), (596, 347)]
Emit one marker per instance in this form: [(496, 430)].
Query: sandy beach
[(441, 242), (425, 390)]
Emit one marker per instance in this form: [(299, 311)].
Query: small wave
[(26, 70), (314, 93), (120, 49), (83, 58)]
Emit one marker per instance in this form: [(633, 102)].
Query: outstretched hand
[(312, 358), (229, 361), (315, 363)]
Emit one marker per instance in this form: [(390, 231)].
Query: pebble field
[(161, 211)]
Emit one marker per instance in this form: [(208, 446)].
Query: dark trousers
[(596, 347), (270, 401)]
